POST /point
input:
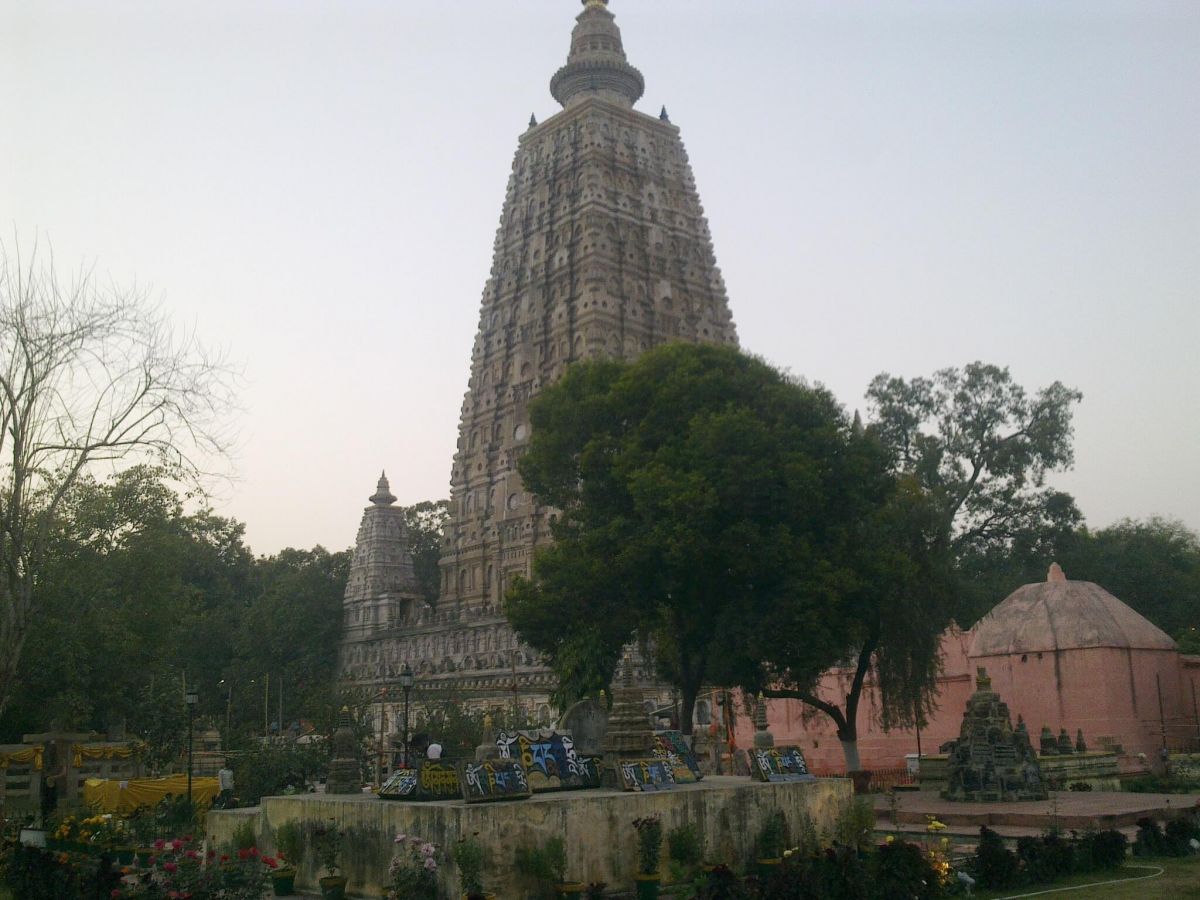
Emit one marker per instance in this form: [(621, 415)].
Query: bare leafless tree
[(91, 376)]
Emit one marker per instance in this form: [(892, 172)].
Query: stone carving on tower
[(602, 251)]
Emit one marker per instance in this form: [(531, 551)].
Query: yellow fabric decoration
[(22, 757), (107, 795)]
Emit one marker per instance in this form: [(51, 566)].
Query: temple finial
[(596, 65), (383, 495), (663, 115), (532, 121), (1056, 573)]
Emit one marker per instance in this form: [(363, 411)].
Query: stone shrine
[(345, 769), (989, 761), (602, 251)]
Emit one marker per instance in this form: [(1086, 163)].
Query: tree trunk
[(688, 704), (850, 752)]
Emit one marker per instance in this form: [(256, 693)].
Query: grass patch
[(1180, 881)]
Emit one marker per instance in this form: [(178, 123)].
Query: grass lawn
[(1180, 881)]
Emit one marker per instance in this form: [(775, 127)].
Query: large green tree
[(696, 488)]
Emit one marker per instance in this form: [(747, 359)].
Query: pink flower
[(192, 854), (430, 863), (427, 850), (398, 839), (169, 867), (254, 851), (177, 844), (159, 844)]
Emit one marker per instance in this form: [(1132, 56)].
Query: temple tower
[(381, 588), (602, 250)]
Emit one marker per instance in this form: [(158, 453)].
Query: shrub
[(842, 875), (328, 843), (468, 856), (684, 845), (807, 841), (1178, 835), (995, 864), (901, 869), (289, 842), (855, 825), (723, 884), (1046, 858), (773, 836), (414, 869), (543, 867), (243, 836), (1149, 840), (1101, 850), (272, 770), (649, 836)]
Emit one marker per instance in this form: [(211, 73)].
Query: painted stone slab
[(401, 785), (550, 760), (493, 779), (431, 780), (645, 775), (671, 746), (784, 763)]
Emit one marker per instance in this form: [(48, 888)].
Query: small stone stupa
[(989, 761), (762, 736), (629, 735), (345, 769)]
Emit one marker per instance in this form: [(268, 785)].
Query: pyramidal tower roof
[(596, 65)]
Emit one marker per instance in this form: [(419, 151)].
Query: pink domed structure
[(1064, 654)]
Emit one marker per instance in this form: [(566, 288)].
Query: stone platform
[(596, 826), (1071, 810)]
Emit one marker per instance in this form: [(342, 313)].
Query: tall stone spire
[(596, 65), (602, 251)]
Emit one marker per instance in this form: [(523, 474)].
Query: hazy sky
[(891, 186)]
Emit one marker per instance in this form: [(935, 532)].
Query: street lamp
[(406, 682), (192, 698), (383, 695)]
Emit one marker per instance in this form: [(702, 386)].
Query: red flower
[(254, 851), (270, 862), (192, 854), (177, 844), (152, 860), (243, 853), (169, 867), (224, 857), (188, 838), (159, 844)]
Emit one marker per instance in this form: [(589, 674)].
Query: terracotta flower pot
[(333, 887), (647, 886)]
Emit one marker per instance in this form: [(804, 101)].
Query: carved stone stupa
[(345, 770), (629, 733), (990, 761)]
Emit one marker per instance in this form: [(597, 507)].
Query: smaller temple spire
[(383, 495), (663, 115), (1056, 573), (532, 121)]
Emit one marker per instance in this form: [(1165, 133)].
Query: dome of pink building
[(1058, 614)]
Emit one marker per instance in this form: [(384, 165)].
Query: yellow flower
[(890, 838)]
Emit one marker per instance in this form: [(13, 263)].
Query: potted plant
[(649, 837), (414, 870), (328, 844), (545, 867), (289, 845), (468, 856), (556, 859), (772, 839)]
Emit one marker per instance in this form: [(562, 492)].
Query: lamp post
[(192, 699), (383, 695), (406, 682)]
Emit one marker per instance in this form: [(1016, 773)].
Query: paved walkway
[(1069, 809)]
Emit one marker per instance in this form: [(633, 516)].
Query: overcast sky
[(891, 186)]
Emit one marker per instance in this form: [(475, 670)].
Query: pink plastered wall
[(1107, 692)]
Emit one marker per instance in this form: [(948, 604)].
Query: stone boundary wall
[(595, 824)]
